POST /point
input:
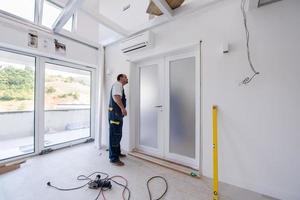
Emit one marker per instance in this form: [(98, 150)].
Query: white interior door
[(182, 112), (150, 138), (169, 108)]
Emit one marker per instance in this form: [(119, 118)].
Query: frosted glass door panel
[(182, 107), (149, 98)]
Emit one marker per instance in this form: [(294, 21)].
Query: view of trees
[(16, 84), (17, 89)]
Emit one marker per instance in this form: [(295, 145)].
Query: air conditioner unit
[(137, 42)]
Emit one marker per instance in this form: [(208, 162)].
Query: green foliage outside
[(50, 90), (75, 95), (16, 84)]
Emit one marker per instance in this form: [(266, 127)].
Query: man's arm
[(118, 100)]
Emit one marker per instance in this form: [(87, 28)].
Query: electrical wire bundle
[(247, 79), (105, 184), (102, 189)]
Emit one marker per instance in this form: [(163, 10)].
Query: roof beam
[(183, 10), (65, 15), (105, 21), (38, 11), (164, 7)]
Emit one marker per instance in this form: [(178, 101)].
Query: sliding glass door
[(67, 104), (17, 104), (43, 104)]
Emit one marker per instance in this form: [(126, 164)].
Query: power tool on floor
[(98, 183)]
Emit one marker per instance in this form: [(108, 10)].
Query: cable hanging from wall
[(247, 79)]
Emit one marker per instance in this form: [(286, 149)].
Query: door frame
[(134, 101), (41, 103), (40, 60)]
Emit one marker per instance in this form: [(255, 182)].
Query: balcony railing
[(63, 125)]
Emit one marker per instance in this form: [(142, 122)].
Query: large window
[(67, 104), (17, 92), (24, 8), (51, 13)]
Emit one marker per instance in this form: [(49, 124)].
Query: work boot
[(122, 155), (117, 163)]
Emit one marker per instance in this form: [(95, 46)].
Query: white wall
[(115, 63), (14, 35), (258, 124), (86, 27)]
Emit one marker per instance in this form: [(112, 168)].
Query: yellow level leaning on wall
[(215, 153)]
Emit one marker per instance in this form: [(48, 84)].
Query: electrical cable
[(247, 79), (125, 187), (66, 189), (106, 179), (90, 180), (149, 192)]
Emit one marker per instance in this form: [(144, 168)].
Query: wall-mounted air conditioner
[(137, 42)]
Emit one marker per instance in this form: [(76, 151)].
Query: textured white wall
[(258, 124)]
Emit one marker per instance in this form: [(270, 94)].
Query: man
[(117, 110)]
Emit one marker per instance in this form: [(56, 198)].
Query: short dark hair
[(120, 76)]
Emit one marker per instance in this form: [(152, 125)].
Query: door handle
[(159, 106)]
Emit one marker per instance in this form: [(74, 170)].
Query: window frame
[(91, 72), (41, 10), (35, 111), (39, 103), (38, 16)]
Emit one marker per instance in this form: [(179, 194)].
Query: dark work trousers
[(115, 135)]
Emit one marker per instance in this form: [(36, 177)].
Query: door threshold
[(170, 165)]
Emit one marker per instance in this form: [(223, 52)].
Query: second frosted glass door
[(182, 107)]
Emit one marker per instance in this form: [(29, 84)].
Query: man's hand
[(124, 112), (118, 100)]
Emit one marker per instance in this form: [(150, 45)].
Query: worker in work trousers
[(117, 110)]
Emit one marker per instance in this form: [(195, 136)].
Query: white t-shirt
[(117, 89)]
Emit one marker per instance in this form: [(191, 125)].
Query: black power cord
[(104, 184), (157, 177)]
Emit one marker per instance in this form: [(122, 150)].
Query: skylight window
[(24, 8), (51, 13)]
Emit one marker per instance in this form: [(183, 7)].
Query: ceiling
[(121, 18), (131, 15)]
